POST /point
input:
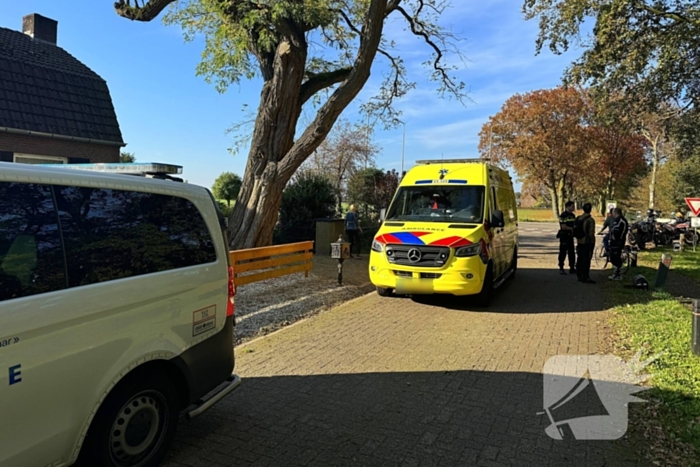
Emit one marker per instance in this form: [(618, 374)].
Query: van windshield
[(438, 204)]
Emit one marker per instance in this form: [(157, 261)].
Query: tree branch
[(418, 28), (668, 14), (329, 112), (322, 81), (391, 7), (150, 10)]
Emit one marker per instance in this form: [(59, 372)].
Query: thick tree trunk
[(256, 211), (555, 202), (561, 194)]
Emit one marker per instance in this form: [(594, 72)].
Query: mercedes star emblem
[(414, 255)]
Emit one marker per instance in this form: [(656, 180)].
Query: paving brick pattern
[(389, 382)]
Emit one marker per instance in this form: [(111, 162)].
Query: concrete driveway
[(387, 381)]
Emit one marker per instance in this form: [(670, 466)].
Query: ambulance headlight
[(376, 246), (465, 251)]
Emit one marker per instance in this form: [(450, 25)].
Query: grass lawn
[(669, 424), (546, 215), (686, 263), (535, 215)]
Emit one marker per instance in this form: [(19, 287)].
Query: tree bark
[(555, 202), (256, 210)]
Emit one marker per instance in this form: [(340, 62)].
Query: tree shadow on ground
[(453, 418)]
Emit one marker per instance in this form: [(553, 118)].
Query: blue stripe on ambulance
[(407, 238)]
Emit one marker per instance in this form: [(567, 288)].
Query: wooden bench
[(259, 264)]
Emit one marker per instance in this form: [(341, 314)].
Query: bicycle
[(599, 254)]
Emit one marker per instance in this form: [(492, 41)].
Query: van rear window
[(31, 257), (53, 237), (113, 234)]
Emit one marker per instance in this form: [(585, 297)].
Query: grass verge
[(535, 215), (686, 263), (546, 215), (668, 426)]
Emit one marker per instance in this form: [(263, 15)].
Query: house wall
[(528, 202), (45, 146)]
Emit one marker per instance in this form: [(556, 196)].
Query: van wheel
[(483, 298), (135, 425), (384, 292)]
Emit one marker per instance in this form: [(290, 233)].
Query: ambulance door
[(496, 234)]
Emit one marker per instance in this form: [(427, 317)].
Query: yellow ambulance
[(451, 228)]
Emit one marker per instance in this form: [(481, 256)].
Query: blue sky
[(167, 114)]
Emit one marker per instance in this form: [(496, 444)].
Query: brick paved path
[(389, 382)]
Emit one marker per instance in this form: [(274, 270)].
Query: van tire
[(155, 398), (384, 292), (483, 298)]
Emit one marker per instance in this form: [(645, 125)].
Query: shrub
[(307, 198)]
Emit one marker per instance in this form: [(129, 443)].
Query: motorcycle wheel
[(639, 241)]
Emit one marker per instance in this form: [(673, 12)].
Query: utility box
[(327, 232)]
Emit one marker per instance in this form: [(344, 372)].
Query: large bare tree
[(314, 52), (346, 150)]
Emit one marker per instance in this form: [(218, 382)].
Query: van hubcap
[(138, 429)]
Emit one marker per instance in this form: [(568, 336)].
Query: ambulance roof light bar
[(143, 169), (451, 161)]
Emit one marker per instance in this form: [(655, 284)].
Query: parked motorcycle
[(644, 231), (677, 227)]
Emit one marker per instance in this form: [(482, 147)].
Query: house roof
[(45, 89)]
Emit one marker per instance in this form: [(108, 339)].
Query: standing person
[(353, 229), (566, 238), (618, 236), (584, 231), (608, 224)]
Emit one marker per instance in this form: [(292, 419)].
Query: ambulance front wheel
[(483, 298), (385, 292)]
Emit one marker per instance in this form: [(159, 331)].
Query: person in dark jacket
[(584, 249), (618, 237), (353, 230), (566, 238)]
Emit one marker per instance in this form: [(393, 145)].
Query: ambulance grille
[(430, 256)]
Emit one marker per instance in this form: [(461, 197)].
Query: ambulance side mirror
[(382, 215), (497, 219)]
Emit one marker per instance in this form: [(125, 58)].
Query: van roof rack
[(142, 169), (452, 161)]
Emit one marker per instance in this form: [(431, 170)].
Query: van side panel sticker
[(6, 342), (203, 320), (15, 374)]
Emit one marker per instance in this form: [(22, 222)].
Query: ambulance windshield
[(438, 204)]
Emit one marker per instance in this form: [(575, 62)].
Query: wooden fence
[(258, 264)]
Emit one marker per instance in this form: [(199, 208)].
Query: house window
[(33, 159)]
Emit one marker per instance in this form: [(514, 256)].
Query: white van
[(116, 314)]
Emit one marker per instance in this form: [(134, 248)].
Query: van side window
[(31, 256), (113, 234), (494, 200)]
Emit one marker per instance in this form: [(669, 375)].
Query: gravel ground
[(263, 307)]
